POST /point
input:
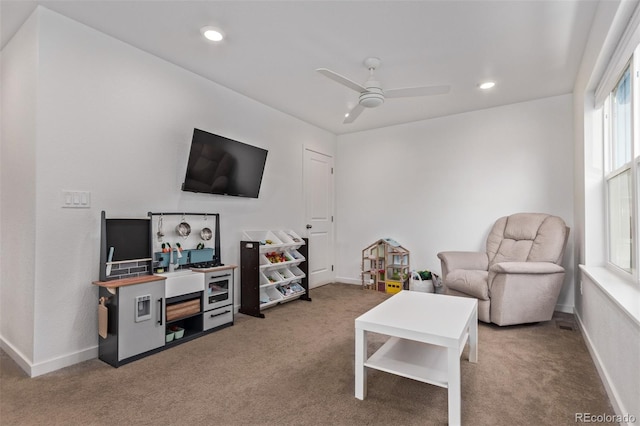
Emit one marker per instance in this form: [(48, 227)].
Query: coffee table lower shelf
[(414, 360)]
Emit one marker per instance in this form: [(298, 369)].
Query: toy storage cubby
[(273, 270)]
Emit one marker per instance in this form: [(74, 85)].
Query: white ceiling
[(532, 49)]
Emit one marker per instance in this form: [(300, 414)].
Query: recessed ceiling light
[(487, 85), (211, 33)]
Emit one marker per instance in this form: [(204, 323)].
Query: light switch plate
[(76, 199)]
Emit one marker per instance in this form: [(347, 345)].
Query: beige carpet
[(295, 367)]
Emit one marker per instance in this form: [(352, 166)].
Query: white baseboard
[(348, 280), (567, 309), (64, 361), (609, 387), (40, 368), (16, 355)]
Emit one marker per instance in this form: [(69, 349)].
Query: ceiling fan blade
[(341, 79), (416, 91), (353, 114)]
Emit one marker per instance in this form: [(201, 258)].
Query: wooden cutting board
[(103, 319)]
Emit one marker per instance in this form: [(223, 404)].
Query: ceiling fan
[(371, 93)]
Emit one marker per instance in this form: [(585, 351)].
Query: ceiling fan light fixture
[(372, 98), (212, 33), (369, 101), (371, 94), (487, 85)]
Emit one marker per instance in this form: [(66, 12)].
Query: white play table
[(428, 333)]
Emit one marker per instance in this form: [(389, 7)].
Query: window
[(623, 163)]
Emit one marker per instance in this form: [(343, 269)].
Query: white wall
[(117, 122), (612, 338), (440, 184), (588, 147), (18, 188)]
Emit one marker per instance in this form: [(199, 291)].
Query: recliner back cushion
[(512, 251), (527, 237)]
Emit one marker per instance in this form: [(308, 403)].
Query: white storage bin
[(297, 272), (264, 261), (270, 295), (296, 256), (263, 237), (296, 286), (291, 290), (263, 279), (273, 277), (277, 258), (290, 238), (286, 239), (295, 237), (287, 275)]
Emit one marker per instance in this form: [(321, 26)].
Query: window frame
[(632, 165)]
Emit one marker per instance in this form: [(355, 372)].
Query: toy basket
[(418, 284)]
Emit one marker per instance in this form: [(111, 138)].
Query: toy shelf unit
[(273, 270), (385, 266)]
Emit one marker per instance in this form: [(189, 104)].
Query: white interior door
[(318, 184)]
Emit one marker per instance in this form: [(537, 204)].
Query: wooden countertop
[(148, 278), (128, 281)]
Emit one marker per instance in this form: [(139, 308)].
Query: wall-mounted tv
[(219, 165)]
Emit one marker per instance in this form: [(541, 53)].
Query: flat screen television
[(219, 165)]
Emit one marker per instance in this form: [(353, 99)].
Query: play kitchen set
[(162, 283)]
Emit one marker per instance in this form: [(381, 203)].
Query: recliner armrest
[(526, 268), (470, 260)]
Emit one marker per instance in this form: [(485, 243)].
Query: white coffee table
[(428, 333)]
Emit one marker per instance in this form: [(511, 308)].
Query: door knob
[(309, 226)]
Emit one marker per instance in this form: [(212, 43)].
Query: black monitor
[(219, 165)]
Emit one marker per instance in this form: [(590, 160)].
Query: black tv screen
[(219, 165)]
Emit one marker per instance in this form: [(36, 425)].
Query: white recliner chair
[(519, 277)]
